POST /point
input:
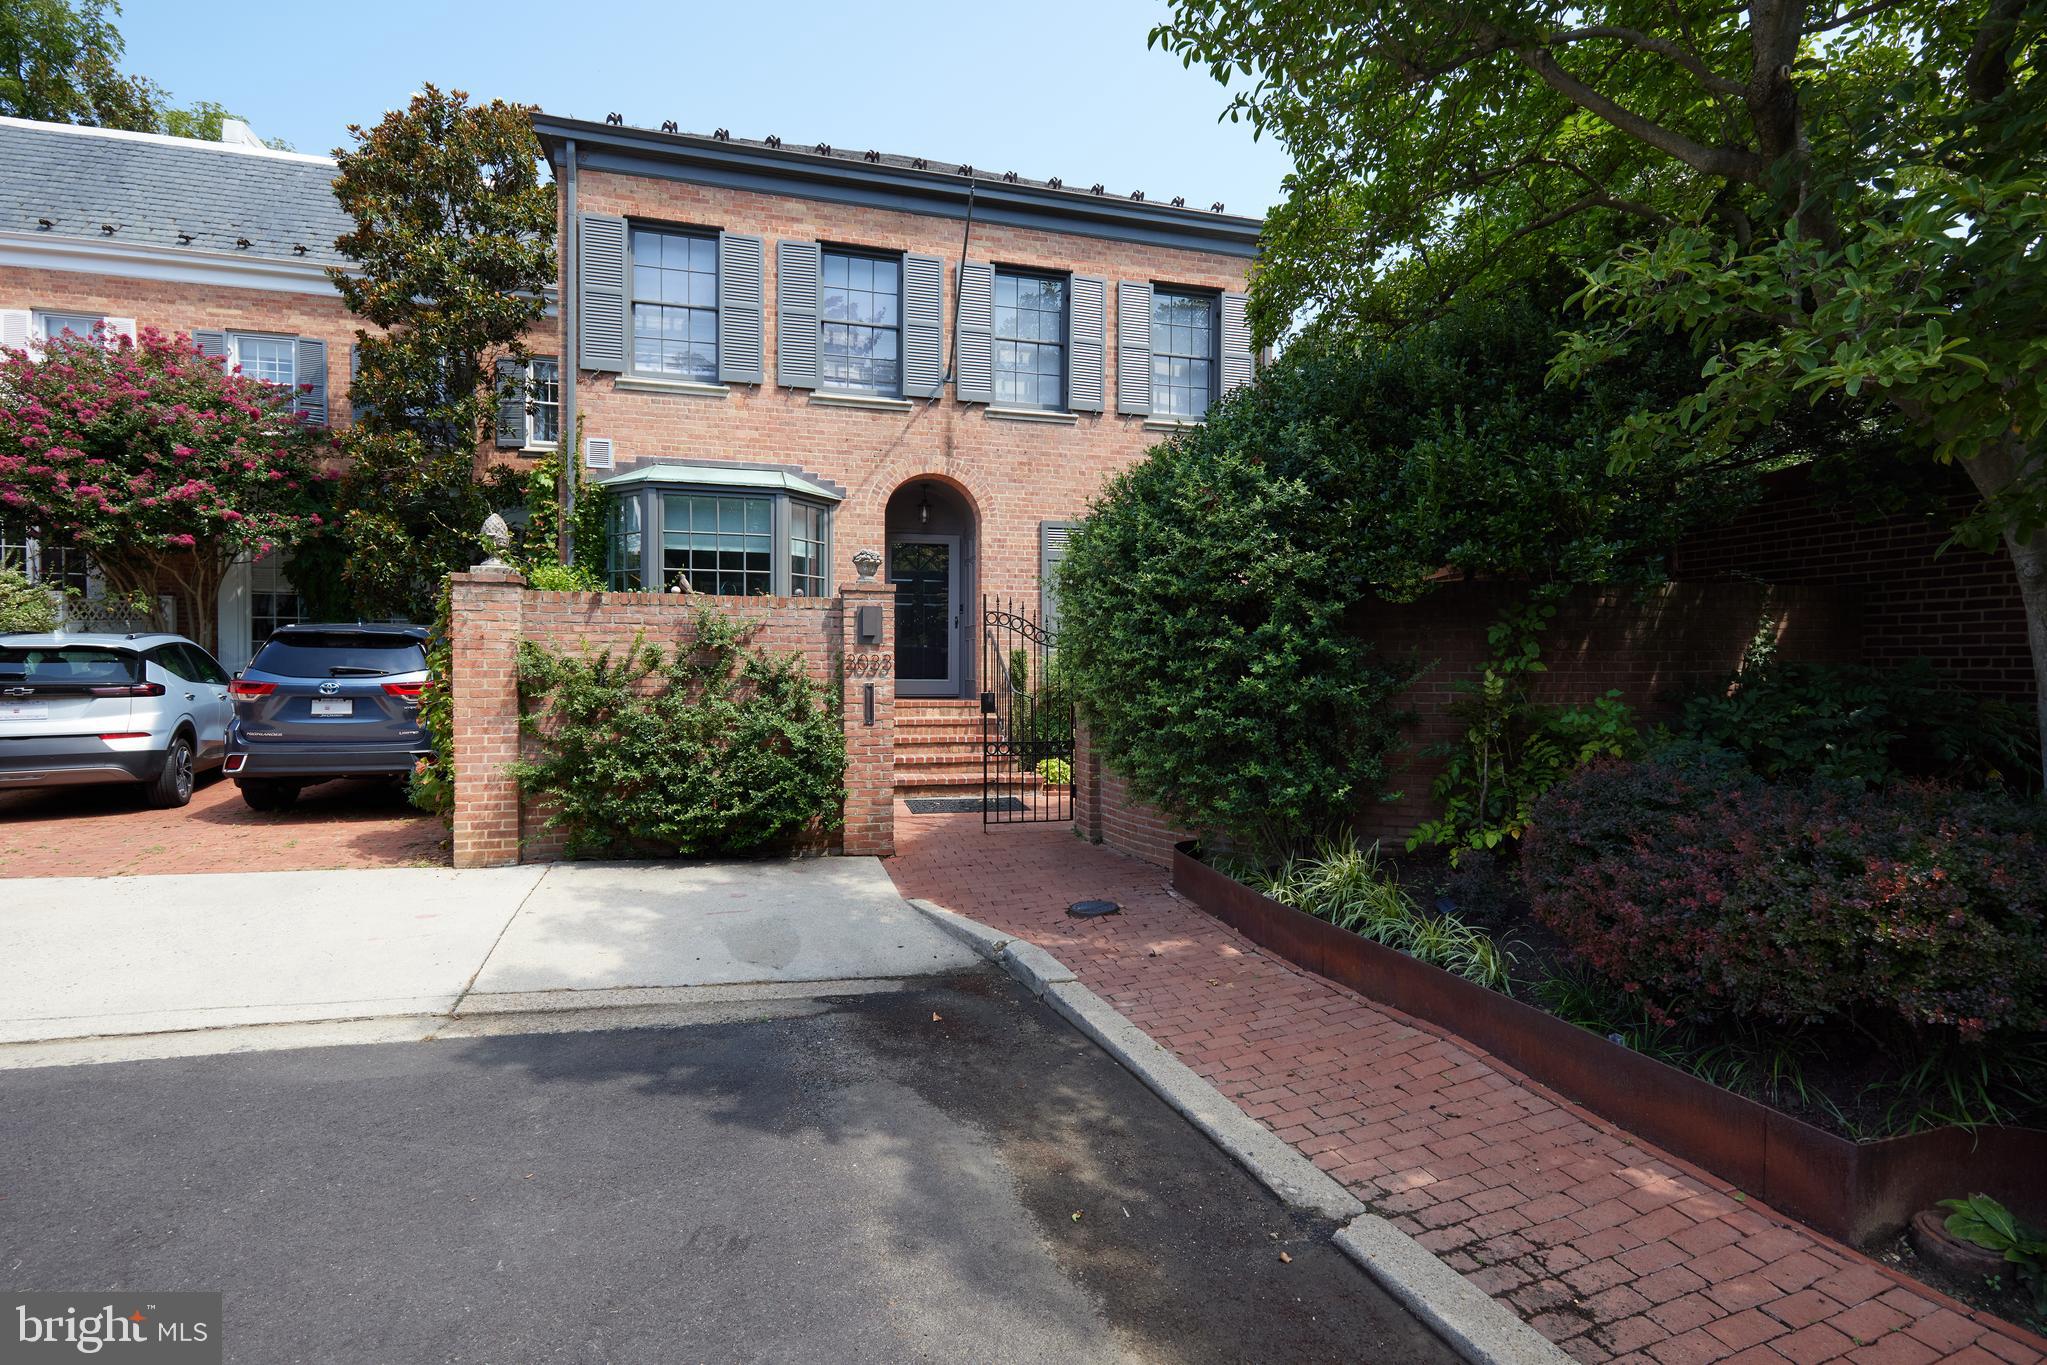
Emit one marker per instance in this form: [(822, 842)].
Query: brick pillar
[(870, 749), (484, 620), (1087, 785)]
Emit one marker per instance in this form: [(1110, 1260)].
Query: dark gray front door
[(925, 570)]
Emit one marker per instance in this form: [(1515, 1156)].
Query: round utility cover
[(1092, 909)]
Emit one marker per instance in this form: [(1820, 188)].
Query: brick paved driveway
[(1612, 1248), (106, 831)]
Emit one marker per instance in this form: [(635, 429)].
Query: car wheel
[(268, 795), (173, 786)]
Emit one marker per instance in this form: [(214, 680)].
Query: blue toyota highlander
[(320, 702)]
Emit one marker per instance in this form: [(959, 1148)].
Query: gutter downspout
[(572, 457)]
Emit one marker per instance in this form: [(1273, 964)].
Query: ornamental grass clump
[(715, 747), (1344, 883)]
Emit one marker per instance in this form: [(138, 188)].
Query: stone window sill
[(632, 383), (873, 402), (1064, 419), (1174, 423)]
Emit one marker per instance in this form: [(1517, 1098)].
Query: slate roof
[(151, 188)]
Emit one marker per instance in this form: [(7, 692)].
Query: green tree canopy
[(454, 253), (1833, 200), (60, 63)]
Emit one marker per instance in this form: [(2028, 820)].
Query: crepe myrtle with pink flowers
[(160, 464)]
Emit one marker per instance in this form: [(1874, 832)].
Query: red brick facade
[(492, 611), (1013, 473)]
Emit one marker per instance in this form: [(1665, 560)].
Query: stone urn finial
[(867, 563), (498, 536)]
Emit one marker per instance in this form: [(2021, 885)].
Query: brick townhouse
[(786, 354), (228, 242)]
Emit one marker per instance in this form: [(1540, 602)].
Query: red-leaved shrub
[(1712, 893)]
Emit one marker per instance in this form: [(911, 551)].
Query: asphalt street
[(947, 1173)]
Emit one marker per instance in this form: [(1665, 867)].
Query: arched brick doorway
[(933, 558)]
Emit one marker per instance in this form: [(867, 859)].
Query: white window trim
[(234, 353), (538, 446)]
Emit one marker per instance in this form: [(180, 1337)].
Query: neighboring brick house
[(790, 354), (228, 242)]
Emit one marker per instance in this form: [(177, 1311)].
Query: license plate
[(24, 713), (325, 707)]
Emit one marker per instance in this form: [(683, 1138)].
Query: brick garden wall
[(1653, 647), (1959, 609), (493, 611)]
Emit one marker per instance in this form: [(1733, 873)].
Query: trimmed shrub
[(1855, 723), (1709, 892), (717, 747), (25, 606)]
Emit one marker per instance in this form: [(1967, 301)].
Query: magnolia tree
[(154, 460)]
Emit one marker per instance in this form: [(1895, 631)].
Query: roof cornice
[(177, 265), (739, 165)]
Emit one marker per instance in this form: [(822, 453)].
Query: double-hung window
[(675, 304), (1030, 340), (274, 360), (543, 401), (273, 601), (861, 316), (50, 326), (57, 566), (1183, 355)]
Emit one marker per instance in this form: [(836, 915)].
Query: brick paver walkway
[(1610, 1247), (107, 831)]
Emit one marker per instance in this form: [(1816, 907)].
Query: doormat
[(959, 805)]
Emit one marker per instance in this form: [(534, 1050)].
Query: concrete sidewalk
[(86, 957)]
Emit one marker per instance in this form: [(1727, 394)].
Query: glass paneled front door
[(925, 572)]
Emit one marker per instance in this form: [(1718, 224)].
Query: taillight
[(128, 734), (409, 691), (242, 690), (129, 690)]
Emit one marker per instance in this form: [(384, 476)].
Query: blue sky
[(1065, 87)]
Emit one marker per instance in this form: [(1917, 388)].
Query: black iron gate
[(1026, 719)]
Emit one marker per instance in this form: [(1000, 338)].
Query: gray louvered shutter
[(311, 373), (511, 403), (742, 260), (1052, 537), (1086, 343), (358, 408), (211, 343), (923, 326), (600, 292), (1133, 348), (974, 342), (796, 286), (1236, 344)]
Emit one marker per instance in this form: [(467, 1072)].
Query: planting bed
[(1860, 1192)]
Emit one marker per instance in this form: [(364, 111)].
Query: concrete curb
[(1464, 1316)]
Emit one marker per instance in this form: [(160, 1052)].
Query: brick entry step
[(938, 747)]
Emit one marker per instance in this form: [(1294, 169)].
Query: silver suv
[(74, 709)]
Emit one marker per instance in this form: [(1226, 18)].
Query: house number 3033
[(869, 664)]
